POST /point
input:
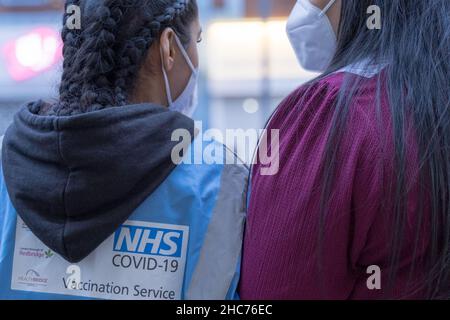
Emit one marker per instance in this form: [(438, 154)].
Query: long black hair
[(414, 44), (103, 58)]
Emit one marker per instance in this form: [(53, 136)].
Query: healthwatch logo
[(149, 241)]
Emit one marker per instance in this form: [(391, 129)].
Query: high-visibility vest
[(183, 242)]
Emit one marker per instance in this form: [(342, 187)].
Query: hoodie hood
[(74, 180)]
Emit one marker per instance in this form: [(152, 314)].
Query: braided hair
[(102, 60)]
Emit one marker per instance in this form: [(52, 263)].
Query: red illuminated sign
[(33, 53)]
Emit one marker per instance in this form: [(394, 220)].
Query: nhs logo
[(150, 239)]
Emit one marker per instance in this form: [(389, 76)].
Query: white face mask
[(311, 35), (186, 103)]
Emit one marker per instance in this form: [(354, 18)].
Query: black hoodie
[(74, 180)]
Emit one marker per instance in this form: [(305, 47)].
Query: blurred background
[(247, 64)]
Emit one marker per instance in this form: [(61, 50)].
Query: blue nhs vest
[(183, 242)]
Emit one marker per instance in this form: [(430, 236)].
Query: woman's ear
[(167, 48)]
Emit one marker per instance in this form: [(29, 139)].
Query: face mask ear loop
[(325, 10), (166, 80), (184, 53)]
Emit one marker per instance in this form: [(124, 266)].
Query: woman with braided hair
[(94, 201)]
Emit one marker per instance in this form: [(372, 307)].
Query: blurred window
[(30, 5), (254, 8), (219, 4)]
